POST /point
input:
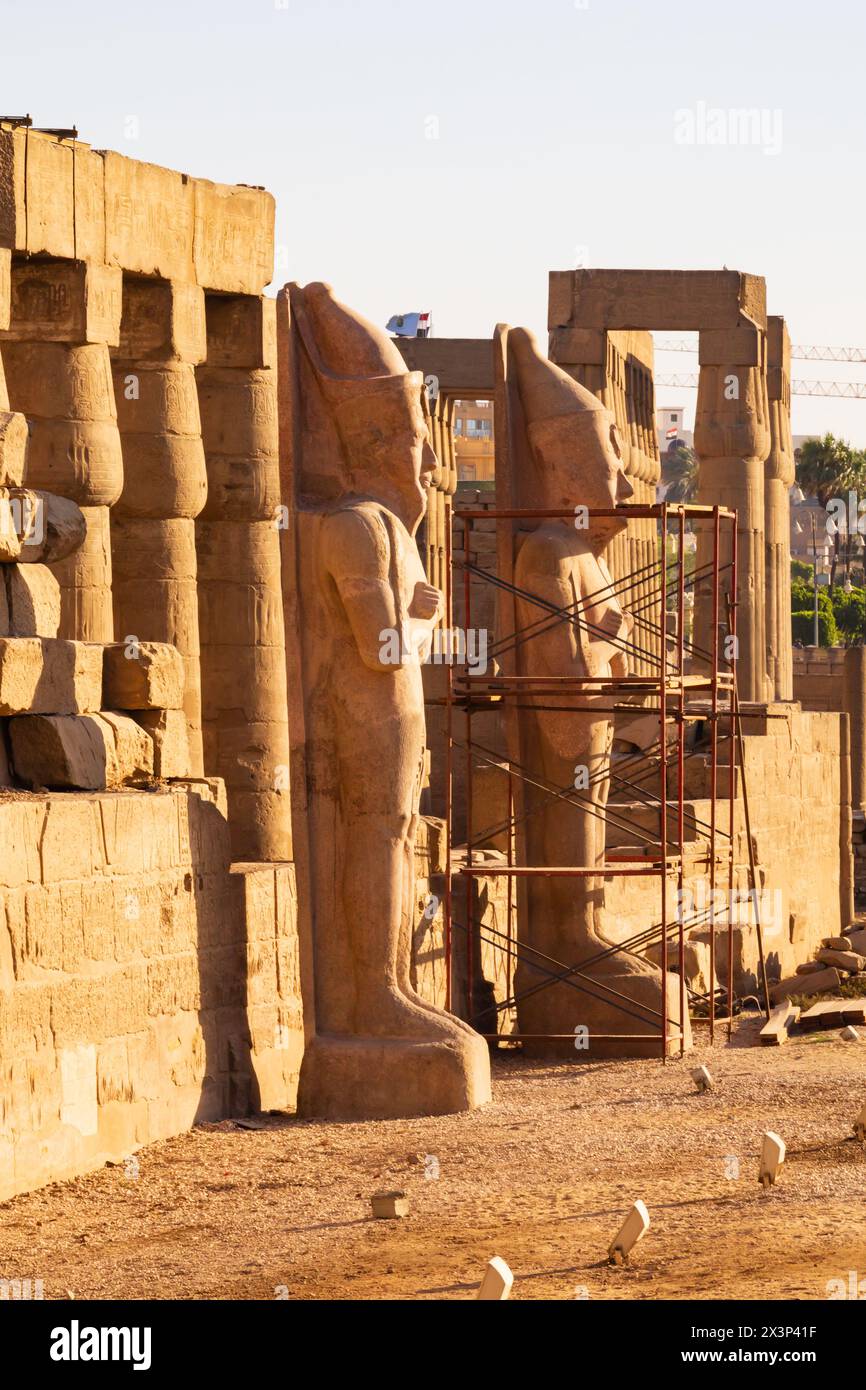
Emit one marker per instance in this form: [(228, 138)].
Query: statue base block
[(391, 1078), (640, 1030)]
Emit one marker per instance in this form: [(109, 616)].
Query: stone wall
[(796, 774), (145, 982)]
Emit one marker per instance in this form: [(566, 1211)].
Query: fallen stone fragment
[(702, 1079), (808, 967), (856, 941), (388, 1206), (819, 982), (850, 1034), (633, 1229), (848, 961), (772, 1158), (497, 1281)]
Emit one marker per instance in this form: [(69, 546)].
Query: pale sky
[(447, 156)]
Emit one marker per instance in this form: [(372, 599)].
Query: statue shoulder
[(355, 533), (544, 551)]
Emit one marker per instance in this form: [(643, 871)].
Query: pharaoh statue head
[(376, 404), (573, 440)]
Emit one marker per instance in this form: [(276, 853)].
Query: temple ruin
[(273, 842)]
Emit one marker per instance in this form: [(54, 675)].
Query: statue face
[(410, 463), (600, 471), (580, 462)]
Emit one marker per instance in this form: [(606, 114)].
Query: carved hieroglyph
[(557, 448), (360, 614)]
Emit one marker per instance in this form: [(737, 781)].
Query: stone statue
[(362, 616), (562, 450)]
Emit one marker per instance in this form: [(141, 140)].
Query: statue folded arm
[(357, 553)]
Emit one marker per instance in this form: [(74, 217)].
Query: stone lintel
[(463, 366), (672, 300), (63, 199)]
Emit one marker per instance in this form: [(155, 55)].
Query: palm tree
[(680, 474), (829, 468)]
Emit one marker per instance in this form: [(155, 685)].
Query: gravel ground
[(542, 1176)]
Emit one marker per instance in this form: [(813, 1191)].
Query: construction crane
[(807, 352), (845, 390)]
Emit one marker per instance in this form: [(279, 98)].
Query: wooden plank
[(833, 1013), (777, 1029)]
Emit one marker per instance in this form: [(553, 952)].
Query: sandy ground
[(542, 1176)]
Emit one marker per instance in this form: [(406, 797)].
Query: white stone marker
[(497, 1281), (633, 1229), (772, 1158), (702, 1078)]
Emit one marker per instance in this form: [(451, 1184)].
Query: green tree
[(803, 629), (829, 468), (850, 613), (680, 474)]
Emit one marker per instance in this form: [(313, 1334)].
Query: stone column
[(165, 482), (65, 315), (778, 479), (732, 440), (243, 656)]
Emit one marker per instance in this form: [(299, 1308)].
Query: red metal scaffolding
[(689, 684)]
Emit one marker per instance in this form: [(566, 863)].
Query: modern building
[(473, 441)]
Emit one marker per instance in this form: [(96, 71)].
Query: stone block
[(34, 601), (5, 302), (233, 247), (168, 730), (816, 983), (162, 319), (856, 941), (10, 544), (241, 331), (143, 676), (13, 448), (149, 217), (50, 527), (86, 752), (65, 302), (44, 209), (849, 961), (48, 675)]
